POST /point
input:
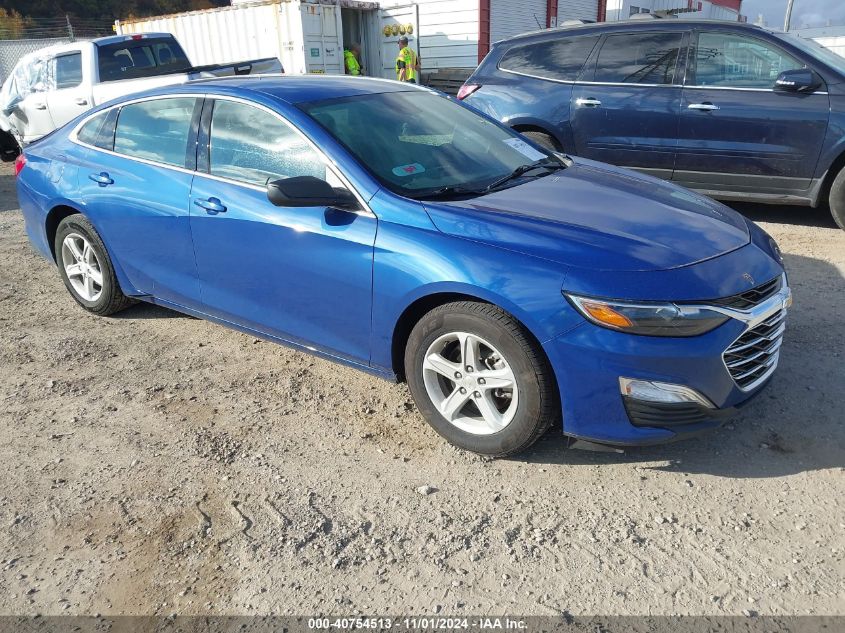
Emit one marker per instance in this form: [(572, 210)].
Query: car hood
[(600, 217)]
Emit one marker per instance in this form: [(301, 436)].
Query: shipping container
[(308, 36)]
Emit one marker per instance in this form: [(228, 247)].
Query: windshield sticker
[(524, 148), (408, 170)]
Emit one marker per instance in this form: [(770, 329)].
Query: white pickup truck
[(54, 85)]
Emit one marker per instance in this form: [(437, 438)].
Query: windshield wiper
[(543, 163), (449, 192)]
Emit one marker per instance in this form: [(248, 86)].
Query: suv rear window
[(639, 58), (553, 59), (141, 58)]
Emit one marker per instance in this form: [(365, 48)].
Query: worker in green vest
[(352, 60), (407, 62)]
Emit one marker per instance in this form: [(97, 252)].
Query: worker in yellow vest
[(407, 62), (352, 60)]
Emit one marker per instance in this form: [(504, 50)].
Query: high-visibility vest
[(408, 56), (352, 64)]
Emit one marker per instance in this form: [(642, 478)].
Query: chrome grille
[(754, 355)]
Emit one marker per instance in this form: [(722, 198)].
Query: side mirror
[(798, 80), (308, 191)]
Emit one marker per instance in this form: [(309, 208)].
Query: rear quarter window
[(560, 59)]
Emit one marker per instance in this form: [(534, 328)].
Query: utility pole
[(788, 17), (69, 28)]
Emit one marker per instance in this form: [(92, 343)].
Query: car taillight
[(20, 161), (466, 90)]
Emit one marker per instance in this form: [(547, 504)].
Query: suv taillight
[(20, 161), (466, 90)]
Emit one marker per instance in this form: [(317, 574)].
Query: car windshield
[(815, 49), (419, 144)]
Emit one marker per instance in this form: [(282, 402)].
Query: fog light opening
[(664, 392)]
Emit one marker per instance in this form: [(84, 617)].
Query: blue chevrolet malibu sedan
[(386, 226)]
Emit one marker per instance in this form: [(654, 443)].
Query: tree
[(12, 24)]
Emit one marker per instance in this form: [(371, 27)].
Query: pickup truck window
[(639, 58), (724, 59), (67, 70), (141, 58), (554, 59), (155, 130)]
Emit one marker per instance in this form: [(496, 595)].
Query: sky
[(804, 12)]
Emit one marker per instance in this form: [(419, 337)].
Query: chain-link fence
[(12, 50)]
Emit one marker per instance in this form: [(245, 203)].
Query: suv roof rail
[(572, 22)]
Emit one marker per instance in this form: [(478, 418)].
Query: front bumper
[(589, 361)]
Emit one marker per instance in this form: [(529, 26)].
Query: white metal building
[(309, 35), (832, 37), (706, 9)]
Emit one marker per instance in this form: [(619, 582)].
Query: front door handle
[(706, 106), (212, 206), (40, 106), (81, 101), (589, 102), (102, 179)]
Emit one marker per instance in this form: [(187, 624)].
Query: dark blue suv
[(734, 111)]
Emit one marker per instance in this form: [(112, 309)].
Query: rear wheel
[(543, 139), (86, 269), (479, 379), (837, 199)]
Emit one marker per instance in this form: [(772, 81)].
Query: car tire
[(86, 269), (837, 199), (473, 407), (543, 139)]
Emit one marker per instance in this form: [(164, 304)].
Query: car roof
[(629, 25), (296, 88)]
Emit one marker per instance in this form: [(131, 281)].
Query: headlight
[(776, 250), (649, 319)]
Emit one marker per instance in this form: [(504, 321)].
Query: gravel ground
[(155, 464)]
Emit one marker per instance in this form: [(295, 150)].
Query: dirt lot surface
[(154, 463)]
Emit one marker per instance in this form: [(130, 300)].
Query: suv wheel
[(479, 379), (86, 269), (837, 199)]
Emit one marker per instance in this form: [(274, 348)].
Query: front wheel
[(479, 379), (837, 199)]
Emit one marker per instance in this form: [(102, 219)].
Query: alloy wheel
[(471, 383), (82, 267)]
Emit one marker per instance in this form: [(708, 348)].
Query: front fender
[(411, 263)]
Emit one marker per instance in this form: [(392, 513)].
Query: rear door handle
[(212, 206), (102, 179), (40, 106), (706, 106), (588, 101), (81, 101)]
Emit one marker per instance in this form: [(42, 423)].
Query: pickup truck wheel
[(479, 379), (837, 199), (543, 139), (85, 267)]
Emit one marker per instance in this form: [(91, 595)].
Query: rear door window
[(67, 70), (155, 130), (639, 58), (724, 59), (560, 59)]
